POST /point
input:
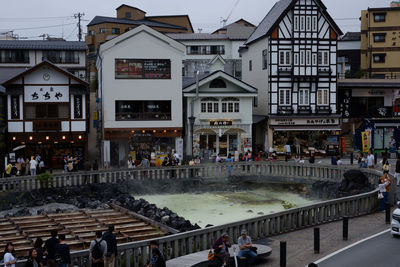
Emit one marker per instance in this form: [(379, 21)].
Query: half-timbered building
[(291, 59)]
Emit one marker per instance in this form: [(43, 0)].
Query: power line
[(42, 27)]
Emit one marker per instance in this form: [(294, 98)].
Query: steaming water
[(224, 207)]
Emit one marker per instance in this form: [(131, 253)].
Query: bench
[(200, 258)]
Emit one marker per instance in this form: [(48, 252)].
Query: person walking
[(245, 246), (33, 260), (50, 249), (384, 187), (98, 250), (9, 255), (370, 160), (63, 253), (111, 240)]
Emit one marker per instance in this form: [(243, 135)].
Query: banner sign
[(365, 136), (42, 94)]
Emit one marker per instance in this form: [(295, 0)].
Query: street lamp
[(191, 121), (192, 118)]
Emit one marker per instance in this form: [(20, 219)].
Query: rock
[(260, 213), (250, 211), (165, 219), (209, 225)]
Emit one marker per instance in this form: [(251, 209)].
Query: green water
[(224, 207)]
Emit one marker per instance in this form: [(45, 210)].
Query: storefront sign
[(365, 136), (77, 106), (304, 121), (220, 123), (40, 94)]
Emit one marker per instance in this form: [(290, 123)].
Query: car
[(395, 225)]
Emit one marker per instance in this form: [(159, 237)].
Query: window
[(115, 30), (296, 23), (379, 37), (301, 23), (284, 58), (61, 57), (308, 57), (323, 58), (128, 15), (102, 30), (322, 97), (314, 59), (14, 56), (14, 107), (315, 23), (91, 32), (379, 17), (142, 69), (304, 99), (217, 83), (230, 104), (308, 23), (302, 57), (151, 110), (209, 105), (250, 65), (284, 97), (265, 59), (205, 50), (379, 58), (91, 48), (46, 111), (296, 59)]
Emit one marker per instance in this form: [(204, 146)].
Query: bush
[(287, 205), (45, 179)]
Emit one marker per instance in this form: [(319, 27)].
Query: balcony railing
[(61, 60)]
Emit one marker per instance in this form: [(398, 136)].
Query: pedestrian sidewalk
[(300, 244)]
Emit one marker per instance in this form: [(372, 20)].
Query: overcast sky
[(56, 16)]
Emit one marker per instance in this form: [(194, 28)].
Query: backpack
[(97, 252)]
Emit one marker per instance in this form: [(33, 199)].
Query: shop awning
[(387, 124), (307, 128)]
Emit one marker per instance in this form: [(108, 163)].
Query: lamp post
[(192, 118), (191, 121)]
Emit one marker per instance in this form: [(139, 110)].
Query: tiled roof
[(197, 36), (42, 45), (269, 20), (150, 23), (187, 81), (8, 73), (351, 36)]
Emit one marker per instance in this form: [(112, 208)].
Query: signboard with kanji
[(47, 93)]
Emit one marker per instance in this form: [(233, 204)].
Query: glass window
[(379, 37), (322, 97), (142, 110), (304, 97), (230, 107), (314, 56), (217, 83), (216, 107), (296, 59), (142, 69), (209, 107), (209, 104), (284, 97), (250, 65), (102, 30), (91, 32), (115, 31), (203, 107), (230, 104), (14, 56), (236, 107), (301, 23), (302, 57), (46, 111), (308, 23), (379, 58), (284, 58), (315, 23), (308, 58), (224, 109), (323, 58), (296, 23), (378, 139), (379, 17)]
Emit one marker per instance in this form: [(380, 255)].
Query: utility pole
[(79, 16)]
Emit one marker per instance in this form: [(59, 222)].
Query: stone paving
[(300, 244)]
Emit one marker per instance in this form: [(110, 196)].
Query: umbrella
[(19, 147)]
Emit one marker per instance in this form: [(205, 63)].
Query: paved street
[(382, 250)]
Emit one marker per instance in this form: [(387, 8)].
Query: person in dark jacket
[(50, 248), (157, 257), (111, 240), (33, 260), (62, 250), (38, 246), (221, 248)]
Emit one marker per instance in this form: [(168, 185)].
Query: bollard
[(351, 158), (283, 253), (387, 209), (345, 228), (316, 240)]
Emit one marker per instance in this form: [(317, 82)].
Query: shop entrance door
[(223, 145)]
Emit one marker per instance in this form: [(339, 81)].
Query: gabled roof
[(277, 13), (8, 73), (215, 58), (137, 30), (351, 36), (251, 25), (190, 85), (42, 45), (151, 23), (30, 70), (123, 5)]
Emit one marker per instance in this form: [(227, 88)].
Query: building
[(291, 59), (102, 29), (370, 104), (349, 52), (47, 114), (202, 48), (19, 55), (140, 85), (380, 42), (222, 115)]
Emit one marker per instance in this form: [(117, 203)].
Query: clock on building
[(46, 76)]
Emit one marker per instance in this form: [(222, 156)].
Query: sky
[(30, 19)]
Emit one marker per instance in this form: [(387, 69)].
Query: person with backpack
[(111, 240), (50, 249), (63, 255), (98, 250)]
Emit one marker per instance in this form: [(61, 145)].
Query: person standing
[(111, 240), (229, 159), (157, 257), (32, 166), (245, 245), (63, 251), (38, 246), (98, 250), (33, 260), (9, 255), (370, 160), (50, 248), (392, 145), (385, 182), (298, 146)]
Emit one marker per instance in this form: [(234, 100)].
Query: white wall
[(142, 46), (258, 77)]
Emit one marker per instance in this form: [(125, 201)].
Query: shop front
[(307, 134), (222, 137), (153, 143)]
